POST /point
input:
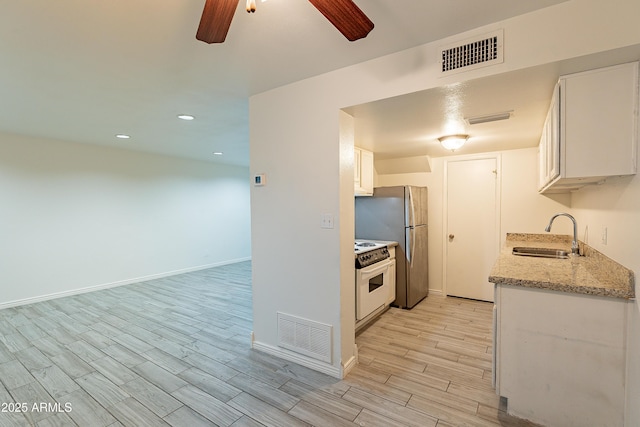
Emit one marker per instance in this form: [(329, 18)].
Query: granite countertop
[(591, 274)]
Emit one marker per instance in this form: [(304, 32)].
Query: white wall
[(523, 209), (77, 216), (294, 133), (295, 261), (616, 206), (347, 300)]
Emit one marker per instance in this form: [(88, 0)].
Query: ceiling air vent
[(473, 53)]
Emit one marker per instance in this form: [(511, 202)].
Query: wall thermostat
[(259, 180)]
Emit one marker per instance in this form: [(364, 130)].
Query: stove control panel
[(371, 257)]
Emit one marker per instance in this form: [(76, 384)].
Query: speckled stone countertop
[(591, 274)]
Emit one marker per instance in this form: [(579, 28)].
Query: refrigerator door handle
[(412, 207), (410, 244), (413, 244)]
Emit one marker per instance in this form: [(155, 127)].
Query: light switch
[(326, 220)]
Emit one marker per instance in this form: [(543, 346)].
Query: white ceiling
[(85, 70), (410, 125)]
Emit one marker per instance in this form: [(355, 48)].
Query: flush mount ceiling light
[(453, 142), (218, 153), (123, 136), (489, 118), (186, 117)]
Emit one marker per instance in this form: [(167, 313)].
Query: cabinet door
[(553, 137), (392, 283), (549, 148), (542, 159), (356, 167), (366, 171), (598, 124), (574, 342)]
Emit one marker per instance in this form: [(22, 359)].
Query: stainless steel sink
[(540, 252)]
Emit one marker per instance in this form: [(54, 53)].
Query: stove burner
[(365, 244)]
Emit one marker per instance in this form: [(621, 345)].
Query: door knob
[(451, 236)]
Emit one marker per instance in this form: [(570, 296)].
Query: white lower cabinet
[(591, 130), (561, 357)]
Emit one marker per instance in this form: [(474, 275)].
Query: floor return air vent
[(304, 336)]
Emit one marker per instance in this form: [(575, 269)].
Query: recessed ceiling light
[(186, 117), (123, 136), (217, 153)]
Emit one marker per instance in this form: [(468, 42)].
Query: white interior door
[(472, 232)]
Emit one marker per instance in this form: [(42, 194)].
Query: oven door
[(372, 287)]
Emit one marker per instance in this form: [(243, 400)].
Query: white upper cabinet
[(591, 130), (363, 172), (549, 148)]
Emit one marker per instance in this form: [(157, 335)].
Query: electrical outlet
[(604, 235)]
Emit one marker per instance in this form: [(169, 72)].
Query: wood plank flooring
[(175, 351)]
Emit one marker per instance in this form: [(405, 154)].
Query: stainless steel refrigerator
[(399, 214)]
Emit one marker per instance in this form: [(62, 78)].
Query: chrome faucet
[(574, 244)]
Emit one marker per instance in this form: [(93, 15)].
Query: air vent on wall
[(473, 53), (304, 336)]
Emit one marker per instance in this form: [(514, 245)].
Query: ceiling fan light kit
[(345, 15)]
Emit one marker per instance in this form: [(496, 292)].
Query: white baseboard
[(351, 363), (436, 291), (79, 291), (308, 362)]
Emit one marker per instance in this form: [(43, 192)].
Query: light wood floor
[(175, 351)]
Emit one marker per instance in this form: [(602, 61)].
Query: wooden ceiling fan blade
[(216, 20), (346, 16)]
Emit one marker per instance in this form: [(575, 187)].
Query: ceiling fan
[(343, 14)]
